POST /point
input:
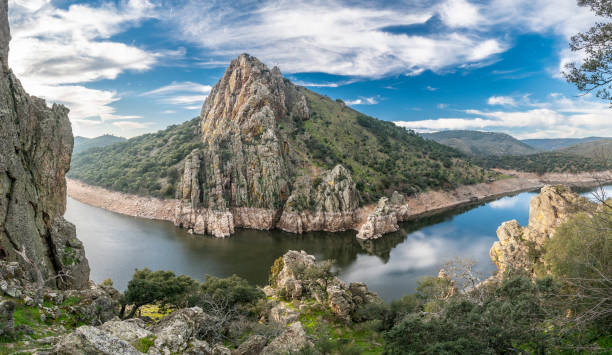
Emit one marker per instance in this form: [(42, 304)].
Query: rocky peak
[(519, 246), (35, 150)]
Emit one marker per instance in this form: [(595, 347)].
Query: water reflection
[(117, 244)]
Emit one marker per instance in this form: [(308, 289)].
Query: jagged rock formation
[(249, 174), (518, 246), (35, 148), (384, 218), (299, 277)]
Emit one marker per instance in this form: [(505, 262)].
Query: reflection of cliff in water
[(382, 247)]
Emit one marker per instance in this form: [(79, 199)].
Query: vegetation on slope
[(82, 144), (381, 156), (481, 143), (601, 149), (543, 163), (550, 144), (148, 165)]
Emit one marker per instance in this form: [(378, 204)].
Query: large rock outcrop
[(518, 246), (298, 276), (385, 217), (35, 150), (249, 173)]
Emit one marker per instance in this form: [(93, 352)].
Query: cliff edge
[(35, 150)]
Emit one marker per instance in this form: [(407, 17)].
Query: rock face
[(249, 174), (384, 218), (518, 246), (301, 277), (35, 150)]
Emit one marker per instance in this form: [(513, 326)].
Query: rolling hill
[(600, 149), (83, 143), (550, 144), (481, 143)]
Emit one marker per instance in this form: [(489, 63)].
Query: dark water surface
[(116, 245)]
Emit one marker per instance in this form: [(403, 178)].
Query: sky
[(128, 67)]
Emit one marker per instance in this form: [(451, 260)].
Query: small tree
[(595, 73), (162, 287)]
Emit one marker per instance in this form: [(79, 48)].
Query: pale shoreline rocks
[(426, 203)]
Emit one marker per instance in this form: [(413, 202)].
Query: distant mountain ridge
[(550, 144), (599, 149), (481, 143), (82, 144)]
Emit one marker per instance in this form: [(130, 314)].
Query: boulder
[(91, 340), (7, 324), (291, 340), (254, 345), (129, 330), (176, 331)]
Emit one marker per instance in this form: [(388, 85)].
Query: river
[(116, 244)]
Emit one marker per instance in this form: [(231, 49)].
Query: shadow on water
[(116, 245)]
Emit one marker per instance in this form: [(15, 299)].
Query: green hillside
[(381, 156), (550, 144), (600, 149), (146, 165), (543, 163), (82, 144), (481, 143)]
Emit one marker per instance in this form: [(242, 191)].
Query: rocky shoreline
[(370, 221)]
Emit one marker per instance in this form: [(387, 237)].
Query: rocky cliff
[(518, 247), (35, 149), (251, 173)]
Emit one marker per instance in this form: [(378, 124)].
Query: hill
[(600, 149), (546, 162), (558, 143), (83, 143), (264, 149), (481, 143)]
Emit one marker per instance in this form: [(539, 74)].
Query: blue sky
[(129, 67)]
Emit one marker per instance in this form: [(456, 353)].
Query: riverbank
[(423, 204)]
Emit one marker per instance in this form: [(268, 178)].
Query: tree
[(163, 287), (595, 73)]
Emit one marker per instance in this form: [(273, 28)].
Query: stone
[(35, 150), (176, 331), (291, 340), (381, 221), (283, 314), (91, 340), (254, 345), (7, 324), (129, 330), (340, 302)]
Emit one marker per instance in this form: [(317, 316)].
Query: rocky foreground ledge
[(300, 286), (369, 221)]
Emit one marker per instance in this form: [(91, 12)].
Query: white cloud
[(180, 86), (54, 51), (331, 37), (362, 101), (460, 13), (181, 93), (131, 124), (501, 100), (430, 88), (560, 116), (442, 106)]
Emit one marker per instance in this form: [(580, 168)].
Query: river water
[(116, 245)]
